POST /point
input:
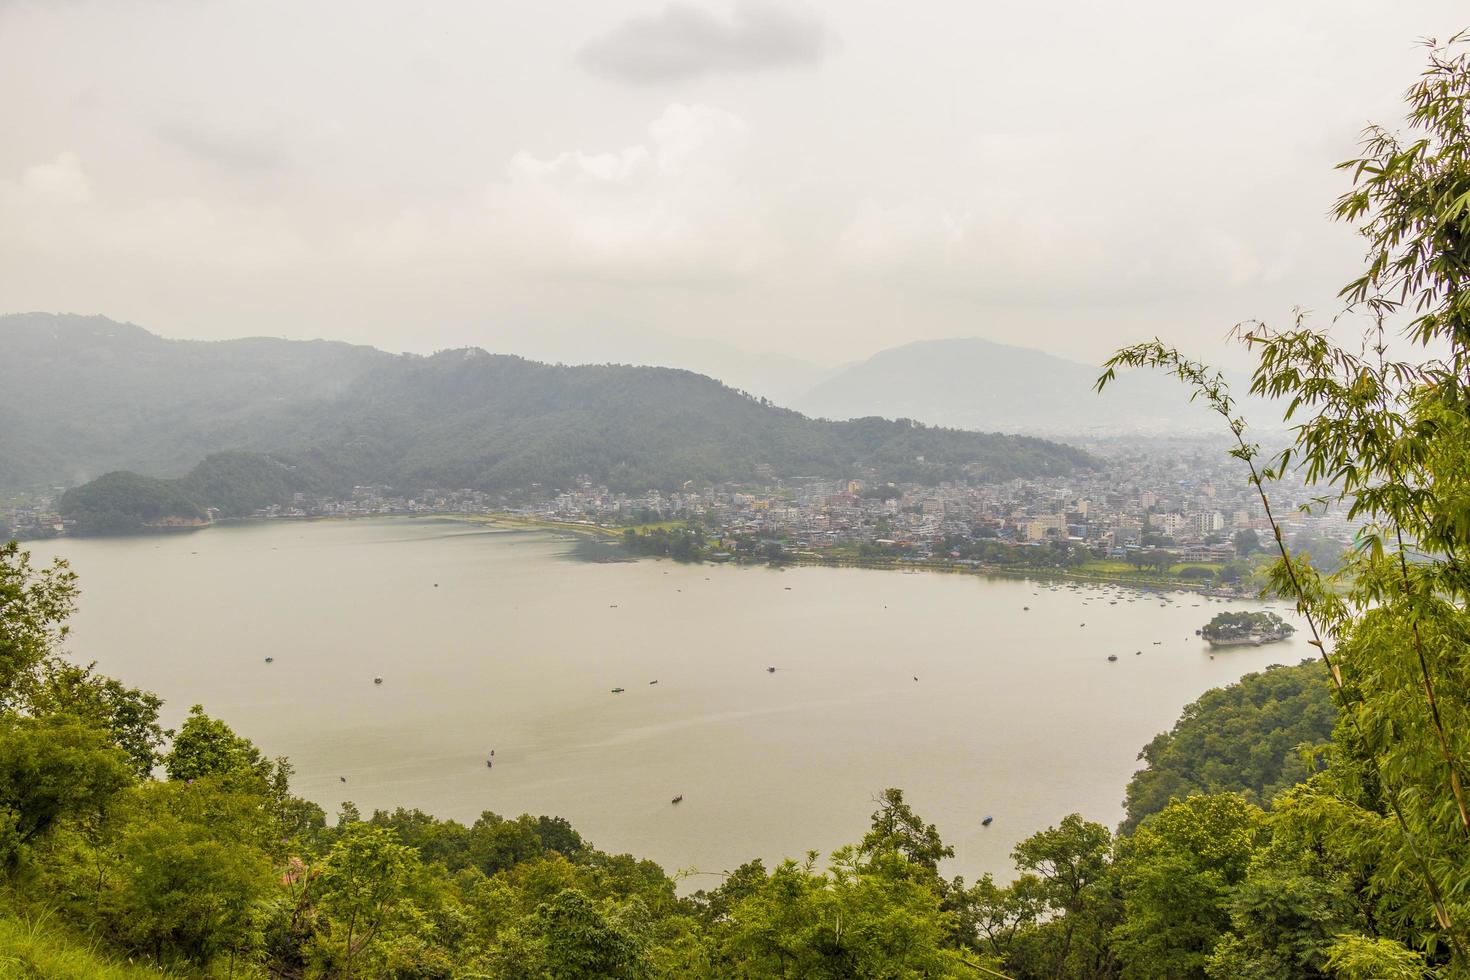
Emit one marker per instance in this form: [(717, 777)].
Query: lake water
[(497, 639)]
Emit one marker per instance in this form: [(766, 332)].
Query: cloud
[(61, 182), (674, 204), (685, 41), (231, 152)]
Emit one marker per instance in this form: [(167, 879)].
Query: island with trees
[(1238, 629)]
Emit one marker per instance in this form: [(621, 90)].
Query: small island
[(1233, 629)]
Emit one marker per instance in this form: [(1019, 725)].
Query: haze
[(688, 183)]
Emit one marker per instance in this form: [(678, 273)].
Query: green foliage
[(235, 484), (361, 893), (52, 768), (1237, 627), (206, 747), (1174, 874), (1247, 738), (37, 948), (192, 870), (34, 606), (1386, 442), (119, 502)]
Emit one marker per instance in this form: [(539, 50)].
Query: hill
[(1242, 738), (975, 384), (91, 396), (82, 395)]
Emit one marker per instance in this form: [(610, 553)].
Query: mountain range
[(971, 383), (82, 396)]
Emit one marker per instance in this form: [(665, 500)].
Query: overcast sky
[(576, 179)]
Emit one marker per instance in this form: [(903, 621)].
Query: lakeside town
[(1177, 510)]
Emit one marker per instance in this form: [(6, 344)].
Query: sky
[(731, 185)]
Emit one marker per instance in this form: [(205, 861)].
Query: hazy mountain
[(976, 384), (87, 396), (80, 395)]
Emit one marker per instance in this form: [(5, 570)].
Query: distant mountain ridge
[(971, 383), (82, 396)]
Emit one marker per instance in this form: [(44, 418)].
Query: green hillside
[(457, 419)]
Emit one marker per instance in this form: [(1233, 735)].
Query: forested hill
[(83, 396)]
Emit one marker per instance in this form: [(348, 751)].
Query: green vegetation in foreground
[(36, 949)]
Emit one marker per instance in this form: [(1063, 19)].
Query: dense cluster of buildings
[(1191, 502), (1192, 506)]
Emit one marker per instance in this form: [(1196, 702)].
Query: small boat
[(377, 680), (770, 670), (343, 778), (617, 690), (986, 821), (1112, 657), (270, 660), (916, 679), (652, 682), (1025, 609), (678, 799)]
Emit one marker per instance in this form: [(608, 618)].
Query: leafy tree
[(1070, 883), (1246, 738), (34, 606), (864, 918), (1174, 874), (205, 746), (897, 828), (129, 715), (360, 892), (1387, 441), (571, 938), (193, 870), (1246, 541), (52, 768)]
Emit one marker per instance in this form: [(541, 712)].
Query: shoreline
[(522, 522)]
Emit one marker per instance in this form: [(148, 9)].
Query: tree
[(1175, 873), (205, 746), (1386, 441), (896, 827), (1246, 738), (360, 892), (571, 938), (34, 606), (52, 768), (1246, 541), (194, 871), (1070, 865), (129, 715)]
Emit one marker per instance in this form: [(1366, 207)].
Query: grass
[(34, 948)]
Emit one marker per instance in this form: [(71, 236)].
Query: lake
[(494, 639)]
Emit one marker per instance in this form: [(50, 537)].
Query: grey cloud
[(684, 41), (232, 152)]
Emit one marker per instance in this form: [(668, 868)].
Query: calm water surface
[(495, 639)]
